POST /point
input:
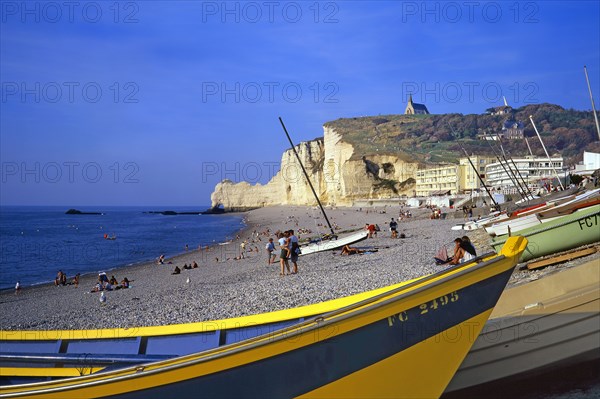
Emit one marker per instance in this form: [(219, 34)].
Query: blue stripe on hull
[(305, 369)]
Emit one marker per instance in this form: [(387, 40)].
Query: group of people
[(436, 213), (468, 212), (404, 214), (372, 229), (106, 284), (61, 279), (289, 250), (177, 270)]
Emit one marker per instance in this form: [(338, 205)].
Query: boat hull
[(561, 234), (540, 325), (388, 345), (333, 244)]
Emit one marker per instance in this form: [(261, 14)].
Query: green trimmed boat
[(567, 232)]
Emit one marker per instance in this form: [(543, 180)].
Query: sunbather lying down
[(348, 250)]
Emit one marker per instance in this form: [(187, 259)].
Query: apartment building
[(531, 169)]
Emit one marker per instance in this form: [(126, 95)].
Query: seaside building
[(413, 108), (533, 170), (591, 163), (512, 130), (451, 179), (440, 180), (502, 110), (469, 181)]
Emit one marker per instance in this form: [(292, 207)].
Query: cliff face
[(337, 176)]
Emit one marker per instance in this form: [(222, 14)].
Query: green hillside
[(429, 138)]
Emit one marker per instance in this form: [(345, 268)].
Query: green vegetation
[(430, 139)]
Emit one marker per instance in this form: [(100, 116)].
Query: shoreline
[(232, 288), (123, 267)]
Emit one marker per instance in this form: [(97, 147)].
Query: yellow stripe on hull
[(49, 371), (418, 361), (207, 326), (396, 376)]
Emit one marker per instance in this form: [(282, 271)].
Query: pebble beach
[(223, 286)]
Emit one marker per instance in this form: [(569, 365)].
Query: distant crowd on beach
[(282, 247), (61, 279), (106, 284)]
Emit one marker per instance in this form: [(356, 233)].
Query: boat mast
[(546, 151), (511, 175), (475, 169), (479, 177), (306, 175), (528, 147), (592, 99), (526, 189)]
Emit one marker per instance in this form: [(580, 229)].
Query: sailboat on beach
[(330, 241)]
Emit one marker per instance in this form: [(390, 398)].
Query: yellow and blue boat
[(406, 340)]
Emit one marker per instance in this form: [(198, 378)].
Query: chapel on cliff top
[(413, 108)]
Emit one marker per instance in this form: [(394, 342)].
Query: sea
[(36, 242)]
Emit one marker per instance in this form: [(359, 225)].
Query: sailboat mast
[(528, 147), (479, 177), (526, 187), (306, 175), (546, 151), (592, 99), (475, 169), (511, 175)]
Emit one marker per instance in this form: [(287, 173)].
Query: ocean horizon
[(37, 241)]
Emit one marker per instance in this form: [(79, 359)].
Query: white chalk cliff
[(338, 175)]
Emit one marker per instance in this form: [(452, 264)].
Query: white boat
[(553, 210), (540, 325), (477, 224), (327, 245)]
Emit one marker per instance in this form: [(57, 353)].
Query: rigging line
[(516, 168), (546, 151), (524, 191), (502, 165), (475, 169), (306, 175), (592, 99)]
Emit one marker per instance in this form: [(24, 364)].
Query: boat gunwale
[(237, 322), (335, 316), (554, 224)]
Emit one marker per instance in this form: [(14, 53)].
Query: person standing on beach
[(371, 229), (284, 254), (270, 247), (243, 248), (294, 250), (394, 228)]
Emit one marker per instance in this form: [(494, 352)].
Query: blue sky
[(152, 103)]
